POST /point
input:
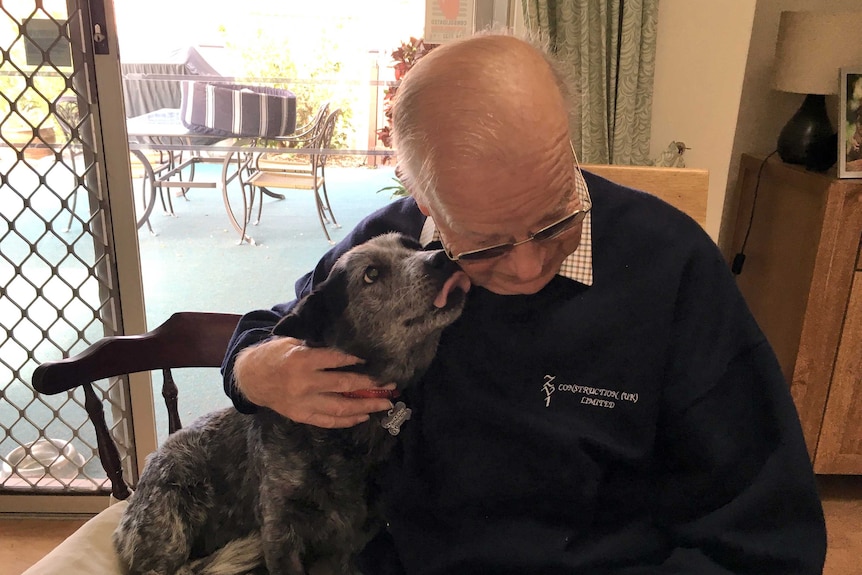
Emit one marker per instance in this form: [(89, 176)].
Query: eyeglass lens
[(547, 233)]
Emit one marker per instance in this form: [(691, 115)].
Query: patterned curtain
[(608, 46)]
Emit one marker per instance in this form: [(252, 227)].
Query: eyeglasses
[(549, 232)]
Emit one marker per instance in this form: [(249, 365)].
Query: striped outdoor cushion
[(235, 110)]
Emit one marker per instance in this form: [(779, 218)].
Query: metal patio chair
[(301, 169)]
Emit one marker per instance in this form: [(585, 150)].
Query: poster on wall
[(446, 20)]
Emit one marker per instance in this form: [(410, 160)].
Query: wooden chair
[(683, 188), (186, 339)]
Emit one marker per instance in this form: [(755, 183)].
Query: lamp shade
[(812, 47)]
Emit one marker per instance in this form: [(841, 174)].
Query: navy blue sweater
[(638, 425)]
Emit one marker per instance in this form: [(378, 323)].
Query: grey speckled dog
[(235, 492)]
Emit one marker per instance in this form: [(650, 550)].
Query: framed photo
[(850, 120)]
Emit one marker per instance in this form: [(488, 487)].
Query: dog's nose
[(437, 260), (438, 266)]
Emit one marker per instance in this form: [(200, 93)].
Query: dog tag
[(395, 417)]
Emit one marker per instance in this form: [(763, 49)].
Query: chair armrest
[(186, 339)]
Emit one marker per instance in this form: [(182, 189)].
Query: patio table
[(162, 131)]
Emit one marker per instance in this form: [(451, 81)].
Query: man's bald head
[(484, 99)]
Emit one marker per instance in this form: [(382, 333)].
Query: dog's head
[(385, 301)]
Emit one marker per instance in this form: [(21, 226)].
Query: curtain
[(608, 47)]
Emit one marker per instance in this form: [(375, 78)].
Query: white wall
[(713, 88), (700, 66)]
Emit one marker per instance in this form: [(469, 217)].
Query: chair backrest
[(317, 122), (327, 132), (186, 339), (305, 135), (67, 114), (685, 188)]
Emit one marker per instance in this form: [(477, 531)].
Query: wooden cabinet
[(802, 279)]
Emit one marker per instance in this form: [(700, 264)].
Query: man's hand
[(292, 379)]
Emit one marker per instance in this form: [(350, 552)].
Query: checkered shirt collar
[(577, 266)]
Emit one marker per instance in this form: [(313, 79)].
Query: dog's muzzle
[(455, 278)]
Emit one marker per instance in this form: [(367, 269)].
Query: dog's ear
[(316, 313)]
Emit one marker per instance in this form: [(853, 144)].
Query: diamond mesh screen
[(57, 275)]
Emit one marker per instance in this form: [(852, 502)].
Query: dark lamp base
[(808, 138)]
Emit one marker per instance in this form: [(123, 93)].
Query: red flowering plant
[(404, 58)]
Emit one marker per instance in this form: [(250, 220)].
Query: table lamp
[(811, 49)]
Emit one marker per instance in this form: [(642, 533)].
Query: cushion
[(87, 551), (90, 551), (235, 110)]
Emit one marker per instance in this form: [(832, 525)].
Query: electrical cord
[(739, 258)]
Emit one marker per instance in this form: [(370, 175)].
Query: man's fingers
[(311, 390), (328, 356), (344, 381), (333, 422), (340, 406), (337, 411)]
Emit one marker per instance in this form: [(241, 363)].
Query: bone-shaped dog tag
[(395, 417)]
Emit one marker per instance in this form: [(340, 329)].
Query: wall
[(713, 88), (700, 66)]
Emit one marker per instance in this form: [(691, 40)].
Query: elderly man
[(606, 404)]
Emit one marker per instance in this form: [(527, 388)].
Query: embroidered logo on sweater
[(549, 388), (593, 396)]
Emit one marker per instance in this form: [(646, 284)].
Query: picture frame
[(447, 20), (850, 123)]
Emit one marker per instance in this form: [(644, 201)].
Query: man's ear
[(315, 313)]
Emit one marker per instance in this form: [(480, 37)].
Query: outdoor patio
[(194, 261)]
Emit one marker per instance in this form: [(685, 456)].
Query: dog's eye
[(371, 275)]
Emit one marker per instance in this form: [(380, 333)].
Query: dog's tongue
[(458, 280)]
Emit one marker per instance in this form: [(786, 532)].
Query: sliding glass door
[(67, 247)]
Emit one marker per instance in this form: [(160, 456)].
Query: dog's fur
[(234, 491)]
